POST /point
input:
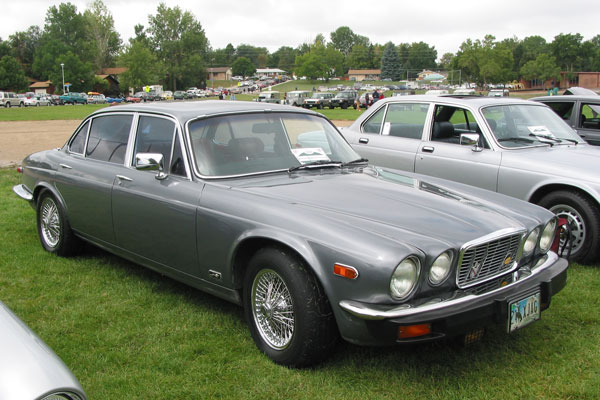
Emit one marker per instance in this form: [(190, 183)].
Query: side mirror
[(151, 162), (470, 139)]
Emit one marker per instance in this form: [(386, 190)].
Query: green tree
[(390, 63), (446, 61), (529, 49), (12, 76), (5, 48), (104, 41), (176, 36), (284, 58), (24, 44), (311, 66), (142, 66), (254, 54), (65, 24), (344, 39), (421, 56), (360, 57), (566, 48), (243, 66), (543, 68), (223, 57)]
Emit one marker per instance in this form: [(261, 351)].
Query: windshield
[(521, 125), (257, 143)]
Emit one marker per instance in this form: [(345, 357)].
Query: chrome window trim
[(176, 134), (267, 111), (70, 141), (485, 239), (91, 118)]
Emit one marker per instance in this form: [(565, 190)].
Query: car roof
[(464, 100), (191, 110), (567, 97)]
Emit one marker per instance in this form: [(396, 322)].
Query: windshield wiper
[(354, 162), (547, 137), (316, 164)]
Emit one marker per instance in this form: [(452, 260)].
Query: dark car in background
[(345, 99), (180, 95), (582, 113), (267, 206)]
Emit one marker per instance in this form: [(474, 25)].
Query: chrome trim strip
[(22, 191), (363, 311)]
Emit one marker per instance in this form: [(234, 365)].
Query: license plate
[(523, 312)]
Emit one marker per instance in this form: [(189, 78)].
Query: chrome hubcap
[(50, 222), (272, 309), (576, 225)]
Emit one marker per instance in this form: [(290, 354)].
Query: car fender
[(262, 236), (45, 186), (537, 191)]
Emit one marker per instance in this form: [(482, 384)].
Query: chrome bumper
[(23, 192), (379, 312)]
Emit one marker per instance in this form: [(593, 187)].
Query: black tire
[(310, 333), (584, 221), (320, 106), (37, 104), (53, 227), (7, 105), (344, 106)]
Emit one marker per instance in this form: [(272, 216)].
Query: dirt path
[(21, 138)]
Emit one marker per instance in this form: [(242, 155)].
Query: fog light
[(473, 336), (410, 331)]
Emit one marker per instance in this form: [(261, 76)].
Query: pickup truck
[(73, 98)]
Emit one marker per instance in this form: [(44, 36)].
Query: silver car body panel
[(29, 369)]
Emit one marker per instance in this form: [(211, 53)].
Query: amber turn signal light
[(345, 271), (410, 331)]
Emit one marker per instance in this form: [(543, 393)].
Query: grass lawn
[(129, 333)]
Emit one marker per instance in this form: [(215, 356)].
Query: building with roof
[(364, 74), (42, 87), (270, 72), (219, 73)]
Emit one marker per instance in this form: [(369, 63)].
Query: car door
[(95, 156), (588, 124), (443, 156), (392, 135), (155, 219)]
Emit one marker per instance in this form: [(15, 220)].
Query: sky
[(275, 23)]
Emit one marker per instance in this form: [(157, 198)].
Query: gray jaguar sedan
[(267, 206), (516, 147)]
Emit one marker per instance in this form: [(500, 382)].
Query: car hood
[(397, 205), (580, 162)]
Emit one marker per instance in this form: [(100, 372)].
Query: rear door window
[(108, 138)]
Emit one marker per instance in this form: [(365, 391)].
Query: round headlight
[(440, 269), (531, 242), (548, 236), (405, 277)]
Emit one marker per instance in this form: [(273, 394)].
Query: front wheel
[(583, 217), (288, 313), (53, 227)]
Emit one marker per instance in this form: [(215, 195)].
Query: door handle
[(65, 166), (428, 149), (124, 178), (363, 140)]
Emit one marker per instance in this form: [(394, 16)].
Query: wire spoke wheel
[(273, 309), (576, 225), (50, 226)]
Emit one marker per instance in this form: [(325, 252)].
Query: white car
[(36, 101)]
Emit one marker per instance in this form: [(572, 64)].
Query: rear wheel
[(289, 316), (583, 217), (53, 227)]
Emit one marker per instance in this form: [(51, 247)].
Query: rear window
[(108, 138)]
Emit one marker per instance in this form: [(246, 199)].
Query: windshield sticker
[(310, 154), (540, 130)]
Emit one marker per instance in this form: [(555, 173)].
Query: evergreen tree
[(390, 63)]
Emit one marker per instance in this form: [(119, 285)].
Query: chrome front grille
[(482, 262)]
